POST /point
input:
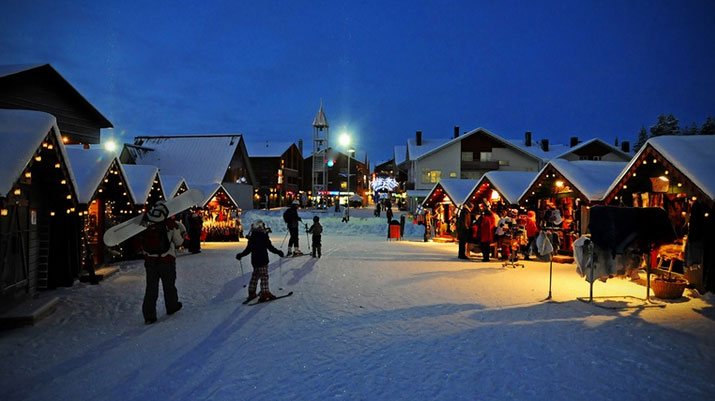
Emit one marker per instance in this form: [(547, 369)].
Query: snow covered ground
[(370, 320)]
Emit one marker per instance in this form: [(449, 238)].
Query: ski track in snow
[(371, 319)]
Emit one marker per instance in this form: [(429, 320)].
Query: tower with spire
[(321, 134)]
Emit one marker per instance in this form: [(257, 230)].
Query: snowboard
[(265, 302), (122, 232)]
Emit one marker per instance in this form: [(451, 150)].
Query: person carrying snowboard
[(159, 242), (258, 246), (290, 216), (316, 229)]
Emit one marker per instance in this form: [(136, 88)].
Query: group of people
[(483, 228), (165, 235)]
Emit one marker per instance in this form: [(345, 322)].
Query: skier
[(159, 243), (290, 216), (258, 246), (316, 229)]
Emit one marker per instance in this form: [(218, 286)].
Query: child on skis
[(258, 246), (316, 229)]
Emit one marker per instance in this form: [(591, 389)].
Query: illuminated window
[(431, 176), (485, 156)]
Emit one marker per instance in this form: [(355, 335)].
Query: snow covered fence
[(331, 222)]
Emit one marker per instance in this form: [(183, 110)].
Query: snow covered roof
[(267, 148), (456, 189), (555, 150), (230, 189), (428, 145), (22, 132), (320, 121), (590, 178), (510, 184), (400, 154), (89, 167), (693, 155), (198, 158), (12, 69), (613, 149), (141, 179), (170, 184)]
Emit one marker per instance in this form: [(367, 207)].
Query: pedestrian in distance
[(317, 230), (346, 214), (388, 212), (291, 218), (196, 224), (258, 246), (159, 243), (463, 229)]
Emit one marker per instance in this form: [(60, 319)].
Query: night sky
[(384, 69)]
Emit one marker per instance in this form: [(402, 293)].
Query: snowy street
[(370, 320)]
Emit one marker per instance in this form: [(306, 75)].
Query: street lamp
[(345, 142)]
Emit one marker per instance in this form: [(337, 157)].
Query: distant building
[(203, 160), (278, 167), (337, 165)]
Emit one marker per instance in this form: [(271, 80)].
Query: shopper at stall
[(291, 218), (486, 233), (196, 223), (463, 228), (531, 231)]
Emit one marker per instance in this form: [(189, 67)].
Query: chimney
[(300, 146), (545, 145), (626, 147), (419, 138), (527, 138), (456, 131), (574, 141)]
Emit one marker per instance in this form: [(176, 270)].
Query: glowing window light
[(559, 183)]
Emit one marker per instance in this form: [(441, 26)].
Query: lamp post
[(345, 141)]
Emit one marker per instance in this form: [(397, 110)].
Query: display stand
[(646, 302), (513, 260)]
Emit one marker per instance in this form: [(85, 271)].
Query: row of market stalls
[(57, 200), (670, 172)]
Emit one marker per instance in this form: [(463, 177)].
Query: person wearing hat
[(258, 246), (291, 218), (159, 243)]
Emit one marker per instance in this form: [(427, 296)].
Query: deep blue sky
[(384, 69)]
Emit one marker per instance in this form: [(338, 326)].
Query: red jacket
[(486, 228), (531, 229)]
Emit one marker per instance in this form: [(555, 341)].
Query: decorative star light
[(383, 184)]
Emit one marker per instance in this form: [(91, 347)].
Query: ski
[(249, 299), (271, 300)]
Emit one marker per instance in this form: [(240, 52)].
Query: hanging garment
[(616, 228), (543, 245)]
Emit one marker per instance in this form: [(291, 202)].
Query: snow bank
[(359, 225)]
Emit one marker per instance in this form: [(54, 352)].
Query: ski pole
[(240, 262), (307, 237), (280, 273), (284, 240)]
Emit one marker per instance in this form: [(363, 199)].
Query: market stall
[(442, 204), (500, 189), (173, 185), (221, 215), (561, 194), (105, 198), (675, 173)]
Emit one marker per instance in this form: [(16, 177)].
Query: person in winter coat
[(346, 214), (388, 212), (531, 231), (159, 243), (258, 246), (463, 226), (196, 224), (317, 230), (486, 233), (290, 216)]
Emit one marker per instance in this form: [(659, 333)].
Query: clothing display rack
[(515, 232), (647, 302)]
